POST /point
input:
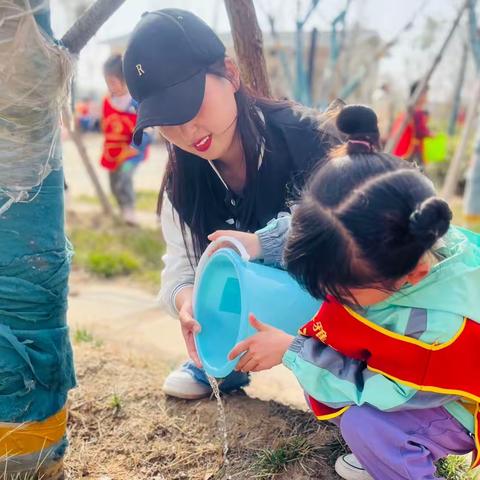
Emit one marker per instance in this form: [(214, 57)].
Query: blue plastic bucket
[(228, 288)]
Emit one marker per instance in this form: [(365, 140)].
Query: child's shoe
[(349, 468), (129, 217)]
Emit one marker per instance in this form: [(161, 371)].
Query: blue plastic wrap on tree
[(36, 364), (36, 361)]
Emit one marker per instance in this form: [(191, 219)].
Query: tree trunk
[(452, 125), (455, 167), (248, 41), (471, 199), (37, 363), (77, 139)]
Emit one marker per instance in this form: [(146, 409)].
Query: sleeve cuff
[(172, 307), (272, 240), (294, 349)]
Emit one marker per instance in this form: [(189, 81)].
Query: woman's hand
[(190, 327), (250, 241), (263, 350)]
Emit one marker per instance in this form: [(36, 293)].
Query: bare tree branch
[(89, 23)]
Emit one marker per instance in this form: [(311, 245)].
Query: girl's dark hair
[(365, 219), (187, 177), (114, 67)]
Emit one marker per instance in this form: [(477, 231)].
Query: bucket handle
[(208, 251), (233, 241)]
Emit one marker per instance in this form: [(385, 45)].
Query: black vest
[(294, 145)]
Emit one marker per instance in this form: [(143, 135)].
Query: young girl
[(118, 156), (234, 159), (394, 348)]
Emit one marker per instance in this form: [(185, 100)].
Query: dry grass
[(122, 427)]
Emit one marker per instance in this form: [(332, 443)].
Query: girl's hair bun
[(430, 221), (357, 121)]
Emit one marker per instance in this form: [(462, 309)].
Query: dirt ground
[(121, 426)]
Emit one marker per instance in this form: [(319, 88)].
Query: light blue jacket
[(431, 311)]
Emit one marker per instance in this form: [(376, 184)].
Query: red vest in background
[(118, 129), (406, 143), (451, 368)]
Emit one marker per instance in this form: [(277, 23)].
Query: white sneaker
[(129, 216), (181, 384), (349, 468)]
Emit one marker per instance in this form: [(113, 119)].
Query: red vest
[(445, 368), (118, 128), (406, 143)]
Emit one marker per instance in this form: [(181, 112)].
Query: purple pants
[(405, 444)]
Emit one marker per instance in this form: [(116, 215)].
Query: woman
[(235, 160)]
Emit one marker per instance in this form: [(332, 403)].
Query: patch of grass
[(82, 335), (146, 200), (149, 277), (271, 462), (111, 250), (115, 402), (335, 448), (83, 198), (111, 264), (454, 467)]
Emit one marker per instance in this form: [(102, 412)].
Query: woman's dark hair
[(365, 219), (187, 177)]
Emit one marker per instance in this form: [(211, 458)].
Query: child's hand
[(263, 350), (249, 240)]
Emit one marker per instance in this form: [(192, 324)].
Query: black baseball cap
[(165, 65)]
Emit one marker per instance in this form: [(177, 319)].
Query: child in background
[(410, 144), (394, 348), (120, 157)]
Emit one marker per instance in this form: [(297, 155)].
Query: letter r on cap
[(140, 70)]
